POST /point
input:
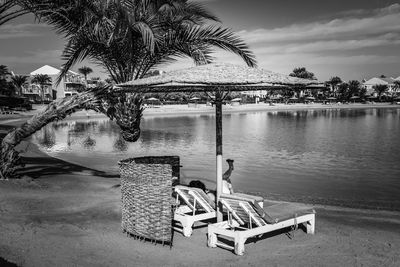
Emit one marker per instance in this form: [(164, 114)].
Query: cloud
[(387, 20), (355, 39), (38, 57), (10, 31), (330, 45)]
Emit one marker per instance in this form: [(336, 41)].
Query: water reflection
[(47, 137), (351, 155), (120, 144), (89, 143)]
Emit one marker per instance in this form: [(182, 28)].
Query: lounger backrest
[(242, 211), (190, 194)]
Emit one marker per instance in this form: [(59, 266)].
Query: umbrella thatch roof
[(209, 77)]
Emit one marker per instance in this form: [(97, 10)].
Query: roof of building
[(46, 69), (377, 80), (49, 70)]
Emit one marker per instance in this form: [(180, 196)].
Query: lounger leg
[(310, 226), (239, 245), (212, 239), (187, 228)]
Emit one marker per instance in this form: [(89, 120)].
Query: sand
[(61, 214)]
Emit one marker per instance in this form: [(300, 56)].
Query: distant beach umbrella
[(152, 99), (354, 97), (195, 98), (331, 98), (219, 79)]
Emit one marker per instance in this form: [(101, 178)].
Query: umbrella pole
[(218, 127)]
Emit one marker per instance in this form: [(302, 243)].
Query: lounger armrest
[(244, 197), (253, 201)]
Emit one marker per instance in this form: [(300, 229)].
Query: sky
[(352, 39)]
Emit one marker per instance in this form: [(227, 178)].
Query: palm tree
[(85, 71), (10, 10), (128, 38), (380, 89), (42, 80), (19, 81)]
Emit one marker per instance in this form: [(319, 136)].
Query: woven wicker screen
[(146, 187)]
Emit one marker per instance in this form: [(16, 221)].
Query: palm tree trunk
[(56, 110), (125, 109)]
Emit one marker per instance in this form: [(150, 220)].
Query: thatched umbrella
[(219, 79)]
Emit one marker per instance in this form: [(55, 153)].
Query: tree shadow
[(36, 167)]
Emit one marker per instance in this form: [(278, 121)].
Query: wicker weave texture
[(146, 186)]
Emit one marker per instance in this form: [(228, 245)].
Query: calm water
[(341, 157)]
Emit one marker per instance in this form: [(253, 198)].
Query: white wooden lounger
[(198, 207), (246, 219)]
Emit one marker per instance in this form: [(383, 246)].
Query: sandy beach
[(62, 214)]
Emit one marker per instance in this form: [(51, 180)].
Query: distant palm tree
[(301, 72), (3, 70), (396, 86), (354, 88), (19, 81), (343, 91), (85, 71), (334, 82), (380, 89), (42, 80)]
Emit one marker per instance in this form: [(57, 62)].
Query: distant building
[(93, 82), (69, 85), (369, 84)]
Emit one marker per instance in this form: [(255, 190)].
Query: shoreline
[(184, 110)]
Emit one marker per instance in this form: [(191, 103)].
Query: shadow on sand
[(36, 167)]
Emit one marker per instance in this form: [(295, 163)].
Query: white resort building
[(369, 84), (69, 85)]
